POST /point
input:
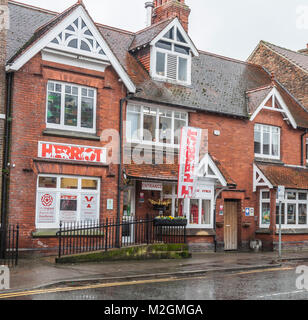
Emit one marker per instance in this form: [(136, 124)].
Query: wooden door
[(230, 225)]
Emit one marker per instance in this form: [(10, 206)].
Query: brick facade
[(28, 126), (233, 147), (291, 76)]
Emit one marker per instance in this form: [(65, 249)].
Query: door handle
[(228, 225)]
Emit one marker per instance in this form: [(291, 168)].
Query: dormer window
[(171, 57)]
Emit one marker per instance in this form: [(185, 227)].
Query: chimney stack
[(164, 9), (149, 5)]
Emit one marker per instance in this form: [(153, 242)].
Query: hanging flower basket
[(160, 205), (170, 221)]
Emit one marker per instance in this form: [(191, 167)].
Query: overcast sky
[(230, 28)]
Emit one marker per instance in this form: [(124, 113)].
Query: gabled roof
[(291, 177), (47, 32), (219, 84), (145, 36), (289, 106), (296, 58)]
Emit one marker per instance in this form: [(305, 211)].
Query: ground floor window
[(198, 212), (265, 209), (294, 209), (66, 199)]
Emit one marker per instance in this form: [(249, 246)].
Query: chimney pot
[(149, 5)]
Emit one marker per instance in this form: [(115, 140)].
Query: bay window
[(294, 210), (66, 199), (71, 107), (267, 141), (154, 125)]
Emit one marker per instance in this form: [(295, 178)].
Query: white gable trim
[(259, 179), (203, 170), (177, 23), (284, 109), (54, 32)]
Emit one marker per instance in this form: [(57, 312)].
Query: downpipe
[(5, 173)]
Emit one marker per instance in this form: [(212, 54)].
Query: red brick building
[(290, 67), (73, 79)]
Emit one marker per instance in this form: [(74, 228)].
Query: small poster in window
[(47, 207), (68, 208), (89, 207)]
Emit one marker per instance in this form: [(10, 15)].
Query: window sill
[(71, 134), (45, 233), (263, 231), (268, 160), (293, 231)]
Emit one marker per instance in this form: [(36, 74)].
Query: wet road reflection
[(249, 285)]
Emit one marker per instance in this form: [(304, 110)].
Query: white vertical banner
[(188, 161)]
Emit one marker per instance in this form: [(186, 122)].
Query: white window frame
[(179, 55), (140, 140), (296, 201), (261, 154), (199, 225), (62, 126), (262, 225), (78, 192)]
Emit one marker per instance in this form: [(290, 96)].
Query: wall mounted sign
[(51, 150), (109, 204), (189, 160), (152, 186), (203, 191), (249, 212)]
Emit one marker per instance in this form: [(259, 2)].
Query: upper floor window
[(267, 141), (71, 107), (153, 125), (172, 57)]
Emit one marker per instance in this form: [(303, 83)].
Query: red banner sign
[(189, 160), (50, 150)]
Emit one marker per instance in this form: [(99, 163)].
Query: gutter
[(5, 174)]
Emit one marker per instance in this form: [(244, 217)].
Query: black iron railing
[(81, 237), (9, 240)]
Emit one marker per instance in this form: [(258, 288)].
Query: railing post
[(17, 246), (147, 228), (106, 234), (60, 239)]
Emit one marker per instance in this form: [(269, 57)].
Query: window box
[(170, 221)]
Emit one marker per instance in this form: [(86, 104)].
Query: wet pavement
[(41, 272), (255, 284)]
